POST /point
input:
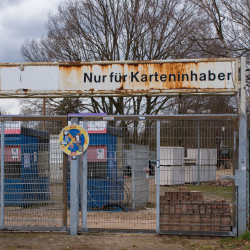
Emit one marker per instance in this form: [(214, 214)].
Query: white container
[(191, 174), (204, 173), (212, 172), (208, 156), (207, 173), (172, 156), (213, 157), (172, 175)]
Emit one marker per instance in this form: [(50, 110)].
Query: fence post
[(147, 181), (158, 178), (65, 183), (248, 177), (242, 189), (74, 190), (2, 175), (84, 186)]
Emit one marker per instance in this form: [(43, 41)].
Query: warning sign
[(74, 140)]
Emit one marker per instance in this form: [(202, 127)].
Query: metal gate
[(198, 160), (164, 174), (33, 194)]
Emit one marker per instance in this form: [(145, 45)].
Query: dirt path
[(14, 240)]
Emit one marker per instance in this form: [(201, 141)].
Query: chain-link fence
[(33, 176), (194, 157), (169, 174)]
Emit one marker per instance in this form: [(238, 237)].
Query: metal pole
[(2, 175), (84, 186), (44, 111), (158, 178), (199, 163), (147, 180), (248, 178), (74, 190), (242, 188), (65, 183)]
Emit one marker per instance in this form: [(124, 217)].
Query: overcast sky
[(20, 19)]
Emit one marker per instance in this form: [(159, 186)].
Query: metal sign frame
[(120, 78)]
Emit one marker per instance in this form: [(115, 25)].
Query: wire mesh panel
[(33, 177), (197, 160), (194, 156), (121, 186)]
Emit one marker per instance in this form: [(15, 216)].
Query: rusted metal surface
[(123, 78), (206, 117)]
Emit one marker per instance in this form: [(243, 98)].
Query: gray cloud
[(9, 2), (20, 19)]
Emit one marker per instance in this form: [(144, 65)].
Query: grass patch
[(206, 248), (226, 241), (230, 242), (174, 239), (246, 236)]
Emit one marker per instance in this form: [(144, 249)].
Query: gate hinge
[(232, 177)]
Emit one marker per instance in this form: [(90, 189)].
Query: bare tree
[(212, 33), (110, 30)]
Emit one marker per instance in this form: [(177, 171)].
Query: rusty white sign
[(115, 78)]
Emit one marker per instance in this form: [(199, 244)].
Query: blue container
[(24, 185), (106, 187)]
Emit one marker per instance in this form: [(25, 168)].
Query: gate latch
[(232, 177)]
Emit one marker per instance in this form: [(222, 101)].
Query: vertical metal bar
[(44, 111), (84, 186), (133, 172), (65, 190), (235, 168), (147, 181), (65, 182), (158, 133), (242, 189), (243, 85), (199, 163), (2, 175), (74, 190), (248, 178)]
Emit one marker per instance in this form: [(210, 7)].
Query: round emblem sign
[(74, 140)]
